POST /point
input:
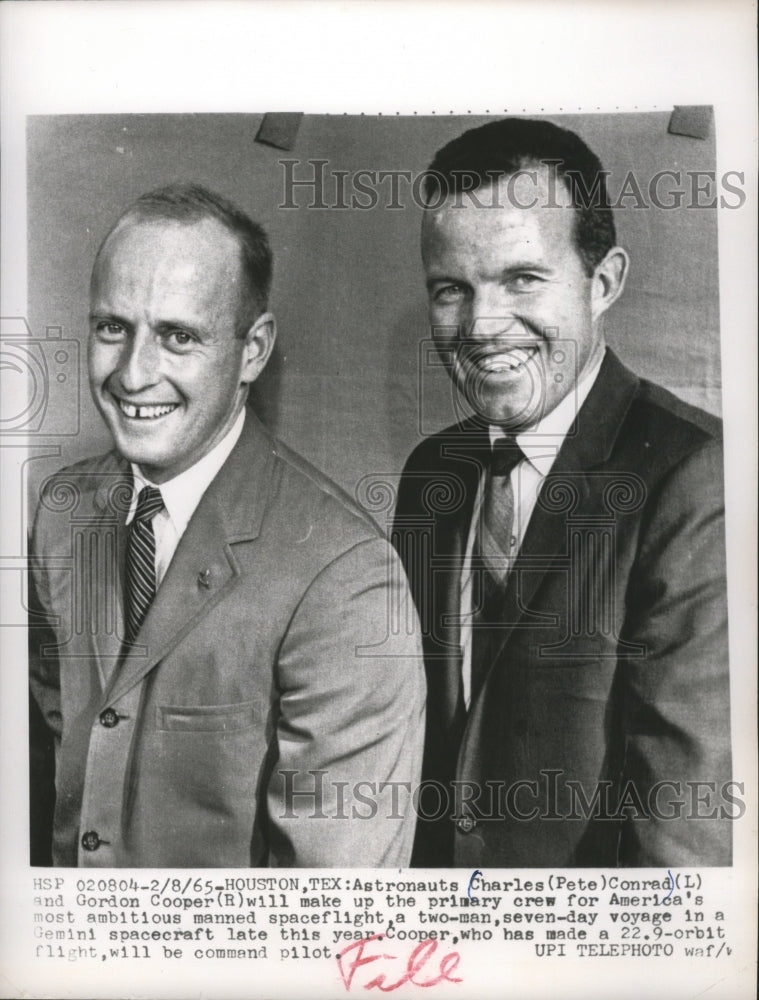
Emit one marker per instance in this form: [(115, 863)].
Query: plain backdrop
[(352, 385)]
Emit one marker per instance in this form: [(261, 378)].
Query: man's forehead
[(533, 203), (191, 268), (204, 235), (534, 186), (168, 253)]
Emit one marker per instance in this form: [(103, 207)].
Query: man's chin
[(511, 414), (511, 401), (135, 451), (146, 462)]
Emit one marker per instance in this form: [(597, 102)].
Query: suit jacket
[(608, 671), (264, 685)]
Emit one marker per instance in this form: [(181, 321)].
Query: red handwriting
[(356, 955)]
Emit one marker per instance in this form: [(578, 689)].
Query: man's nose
[(491, 316), (139, 363), (495, 327)]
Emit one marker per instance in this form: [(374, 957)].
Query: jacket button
[(109, 718), (465, 824), (90, 840)]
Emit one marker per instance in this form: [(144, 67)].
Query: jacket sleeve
[(351, 718), (44, 712), (676, 696), (44, 671)]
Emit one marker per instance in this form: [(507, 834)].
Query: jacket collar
[(595, 429), (204, 565), (237, 492), (592, 434), (588, 444)]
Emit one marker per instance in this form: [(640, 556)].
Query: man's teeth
[(508, 361), (146, 412)]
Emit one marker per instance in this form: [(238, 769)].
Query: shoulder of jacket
[(108, 462), (77, 489), (437, 444), (670, 424), (86, 475), (313, 489)]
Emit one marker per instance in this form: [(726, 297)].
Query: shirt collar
[(182, 494), (541, 443)]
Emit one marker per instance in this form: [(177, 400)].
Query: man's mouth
[(492, 362), (146, 411)]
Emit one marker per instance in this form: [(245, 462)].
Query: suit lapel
[(565, 490), (203, 567), (443, 679), (105, 557), (462, 455)]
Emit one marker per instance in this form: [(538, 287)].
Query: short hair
[(190, 203), (501, 148)]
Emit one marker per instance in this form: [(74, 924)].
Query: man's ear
[(259, 343), (609, 280)]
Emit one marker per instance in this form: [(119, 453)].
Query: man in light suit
[(216, 667), (565, 544)]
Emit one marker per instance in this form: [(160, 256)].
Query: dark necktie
[(140, 560), (495, 549)]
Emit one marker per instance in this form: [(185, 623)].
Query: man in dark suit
[(565, 544), (212, 653)]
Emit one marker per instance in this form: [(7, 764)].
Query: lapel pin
[(204, 578)]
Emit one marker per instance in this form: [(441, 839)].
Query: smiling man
[(210, 598), (565, 543), (173, 341)]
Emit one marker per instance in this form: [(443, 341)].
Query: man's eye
[(179, 340), (526, 282), (448, 293), (108, 330)]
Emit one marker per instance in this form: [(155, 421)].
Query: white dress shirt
[(181, 495), (540, 446)]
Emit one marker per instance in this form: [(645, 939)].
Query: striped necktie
[(140, 560), (495, 550)]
